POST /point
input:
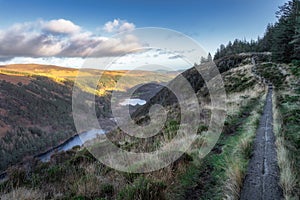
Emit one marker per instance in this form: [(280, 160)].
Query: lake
[(70, 143), (133, 102)]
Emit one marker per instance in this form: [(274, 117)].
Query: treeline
[(281, 38)]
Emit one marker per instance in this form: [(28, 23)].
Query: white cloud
[(61, 26), (61, 38), (111, 25), (117, 26), (126, 27), (63, 43)]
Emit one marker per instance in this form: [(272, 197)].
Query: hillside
[(80, 176), (223, 125), (183, 138), (76, 174), (165, 96), (36, 106), (108, 78)]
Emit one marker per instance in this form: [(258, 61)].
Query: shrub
[(107, 189), (143, 188), (17, 176)]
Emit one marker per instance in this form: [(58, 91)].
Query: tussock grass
[(221, 173), (234, 182), (236, 163), (286, 165)]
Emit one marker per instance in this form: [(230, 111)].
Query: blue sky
[(209, 22)]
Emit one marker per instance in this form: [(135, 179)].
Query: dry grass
[(88, 186), (236, 100), (245, 146), (23, 194), (288, 179), (234, 182), (287, 174), (236, 164)]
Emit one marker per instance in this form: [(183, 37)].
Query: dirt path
[(262, 178)]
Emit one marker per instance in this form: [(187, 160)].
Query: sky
[(66, 32)]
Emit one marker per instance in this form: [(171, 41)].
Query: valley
[(222, 123), (34, 97), (243, 107), (220, 174)]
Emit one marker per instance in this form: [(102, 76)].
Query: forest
[(281, 38)]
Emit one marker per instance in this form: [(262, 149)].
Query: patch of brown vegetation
[(15, 79), (3, 130)]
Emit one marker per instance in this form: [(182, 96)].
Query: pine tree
[(282, 38), (296, 38), (202, 60), (282, 47), (209, 58), (266, 43)]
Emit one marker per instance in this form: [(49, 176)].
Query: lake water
[(72, 142), (133, 102), (89, 135)]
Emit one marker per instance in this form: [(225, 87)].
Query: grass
[(143, 189), (286, 128), (286, 109), (286, 164), (235, 176), (24, 194), (75, 175), (237, 162), (220, 174), (83, 179)]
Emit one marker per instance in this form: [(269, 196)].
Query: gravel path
[(262, 178)]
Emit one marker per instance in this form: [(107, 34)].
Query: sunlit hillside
[(107, 79)]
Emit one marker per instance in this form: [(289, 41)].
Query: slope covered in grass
[(287, 129), (76, 174)]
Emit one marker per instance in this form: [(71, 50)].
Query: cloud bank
[(62, 38), (64, 43)]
